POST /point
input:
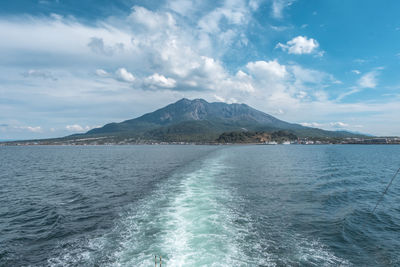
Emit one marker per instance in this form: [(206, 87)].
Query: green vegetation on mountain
[(256, 137), (199, 121)]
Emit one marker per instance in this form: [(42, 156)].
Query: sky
[(68, 66)]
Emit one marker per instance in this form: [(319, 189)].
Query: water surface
[(199, 205)]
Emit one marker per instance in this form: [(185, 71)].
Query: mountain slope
[(198, 120)]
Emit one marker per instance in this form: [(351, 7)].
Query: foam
[(194, 218)]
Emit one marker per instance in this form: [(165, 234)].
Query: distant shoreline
[(4, 144)]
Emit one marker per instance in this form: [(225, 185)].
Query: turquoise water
[(199, 206)]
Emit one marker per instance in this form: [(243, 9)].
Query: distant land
[(198, 121)]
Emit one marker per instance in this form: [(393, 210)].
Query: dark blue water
[(199, 206)]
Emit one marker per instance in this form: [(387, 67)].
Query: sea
[(232, 205)]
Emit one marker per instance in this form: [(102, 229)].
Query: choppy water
[(199, 206)]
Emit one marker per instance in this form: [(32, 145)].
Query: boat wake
[(195, 218)]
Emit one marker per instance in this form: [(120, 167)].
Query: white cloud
[(77, 128), (235, 12), (339, 124), (124, 75), (226, 100), (329, 125), (156, 80), (175, 49), (146, 42), (300, 45), (102, 73), (149, 19), (219, 99), (312, 124), (368, 80), (278, 6), (33, 129), (242, 82), (267, 69), (345, 94)]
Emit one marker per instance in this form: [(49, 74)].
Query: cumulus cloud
[(33, 129), (177, 51), (312, 124), (149, 42), (241, 82), (337, 125), (120, 74), (225, 100), (149, 19), (368, 80), (267, 69), (172, 57), (300, 45), (156, 80), (123, 75), (102, 73), (77, 128)]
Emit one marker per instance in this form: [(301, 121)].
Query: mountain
[(199, 120)]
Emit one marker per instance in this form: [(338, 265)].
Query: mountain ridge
[(199, 120)]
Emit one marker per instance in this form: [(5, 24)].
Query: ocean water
[(249, 205)]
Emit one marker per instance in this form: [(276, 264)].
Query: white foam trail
[(199, 228), (192, 219), (186, 220)]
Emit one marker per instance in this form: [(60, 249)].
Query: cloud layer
[(300, 45), (75, 73)]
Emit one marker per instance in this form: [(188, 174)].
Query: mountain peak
[(198, 117), (188, 101), (183, 100)]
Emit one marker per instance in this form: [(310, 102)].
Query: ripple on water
[(237, 206)]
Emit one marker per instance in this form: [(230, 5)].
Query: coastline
[(39, 143)]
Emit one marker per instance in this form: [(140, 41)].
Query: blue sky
[(69, 66)]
